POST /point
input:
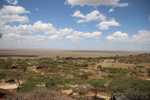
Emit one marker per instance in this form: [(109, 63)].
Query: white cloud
[(39, 26), (142, 36), (10, 14), (105, 25), (80, 35), (13, 2), (91, 35), (125, 41), (7, 9), (78, 14), (48, 31), (118, 36), (92, 16), (115, 3)]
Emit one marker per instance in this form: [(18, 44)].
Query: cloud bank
[(39, 30), (114, 3), (142, 37)]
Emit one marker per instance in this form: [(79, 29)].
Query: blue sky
[(75, 24)]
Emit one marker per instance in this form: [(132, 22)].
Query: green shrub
[(39, 94), (116, 72), (29, 85), (131, 88), (52, 83), (2, 75), (97, 83), (32, 83), (6, 63), (139, 66)]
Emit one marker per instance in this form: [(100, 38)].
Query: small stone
[(67, 92)]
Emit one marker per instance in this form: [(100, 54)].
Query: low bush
[(98, 83), (39, 94), (133, 89)]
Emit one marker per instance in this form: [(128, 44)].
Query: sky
[(75, 24)]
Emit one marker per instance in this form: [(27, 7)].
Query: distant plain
[(62, 53)]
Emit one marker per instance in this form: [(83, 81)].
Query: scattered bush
[(133, 89), (39, 94), (98, 83), (2, 75)]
